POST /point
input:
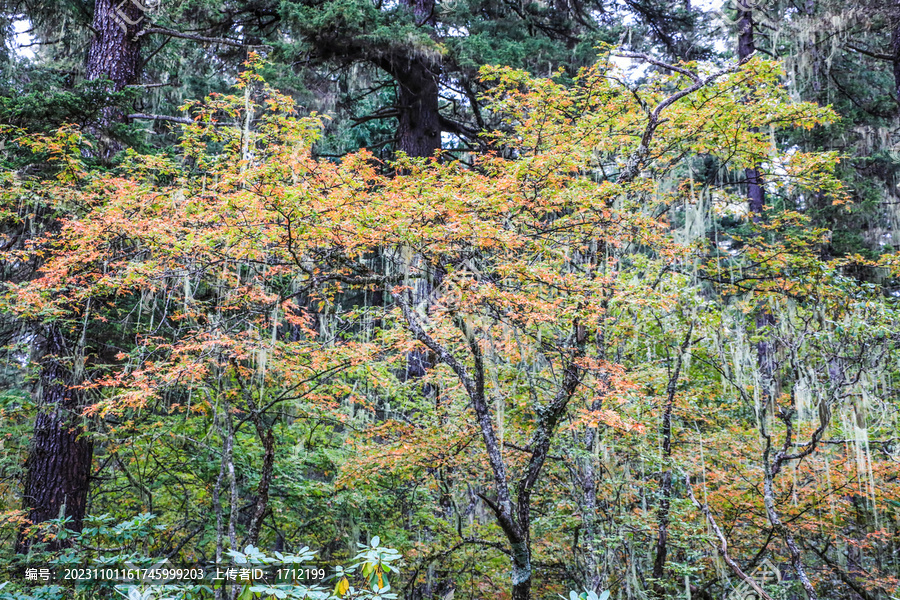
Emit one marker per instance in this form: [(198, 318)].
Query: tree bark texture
[(59, 462), (419, 121), (590, 523), (261, 506), (114, 55), (115, 52), (418, 99)]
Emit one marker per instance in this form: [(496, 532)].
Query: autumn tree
[(588, 330)]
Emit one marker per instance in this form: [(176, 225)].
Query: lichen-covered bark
[(513, 515), (59, 461), (665, 484)]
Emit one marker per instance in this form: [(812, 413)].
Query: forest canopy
[(611, 313)]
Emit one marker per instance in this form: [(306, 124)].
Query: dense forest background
[(452, 299)]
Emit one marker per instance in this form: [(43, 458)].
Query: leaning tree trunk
[(59, 462)]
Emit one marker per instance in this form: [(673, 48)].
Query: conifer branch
[(195, 38)]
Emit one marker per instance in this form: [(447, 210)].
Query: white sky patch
[(707, 5), (632, 68), (715, 6), (456, 32), (22, 38)]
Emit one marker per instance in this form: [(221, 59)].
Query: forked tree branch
[(722, 549), (636, 161)]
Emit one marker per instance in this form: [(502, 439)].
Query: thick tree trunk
[(419, 127), (522, 590), (755, 197), (114, 51), (419, 121), (746, 41), (419, 135), (59, 463), (114, 55), (261, 506)]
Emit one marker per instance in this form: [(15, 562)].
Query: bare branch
[(443, 354), (475, 389), (386, 113), (153, 85), (182, 120), (869, 53), (659, 63)]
